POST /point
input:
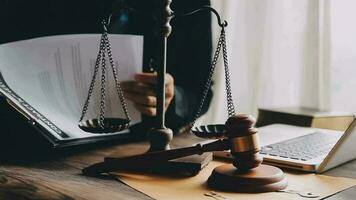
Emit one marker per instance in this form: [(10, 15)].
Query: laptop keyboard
[(303, 148)]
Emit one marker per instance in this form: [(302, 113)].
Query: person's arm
[(142, 93)]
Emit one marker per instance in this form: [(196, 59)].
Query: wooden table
[(59, 177)]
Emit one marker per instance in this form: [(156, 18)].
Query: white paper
[(52, 74)]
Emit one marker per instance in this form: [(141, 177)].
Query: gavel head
[(244, 141)]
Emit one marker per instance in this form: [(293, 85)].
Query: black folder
[(20, 123)]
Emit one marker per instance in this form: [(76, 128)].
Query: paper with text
[(52, 74)]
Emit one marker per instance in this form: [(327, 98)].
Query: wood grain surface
[(58, 175)]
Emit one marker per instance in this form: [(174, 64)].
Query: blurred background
[(287, 53)]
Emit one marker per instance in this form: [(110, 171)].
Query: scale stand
[(159, 136)]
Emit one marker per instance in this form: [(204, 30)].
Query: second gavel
[(245, 174)]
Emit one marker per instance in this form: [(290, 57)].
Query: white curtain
[(343, 55), (279, 55)]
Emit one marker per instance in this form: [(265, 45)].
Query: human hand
[(142, 92)]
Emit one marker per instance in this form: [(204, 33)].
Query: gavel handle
[(151, 159)]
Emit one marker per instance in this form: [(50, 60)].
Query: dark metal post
[(160, 136)]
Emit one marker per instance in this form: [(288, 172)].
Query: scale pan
[(111, 125), (209, 131)]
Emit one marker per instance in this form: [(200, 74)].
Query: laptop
[(306, 149)]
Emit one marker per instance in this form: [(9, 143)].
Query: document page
[(53, 74)]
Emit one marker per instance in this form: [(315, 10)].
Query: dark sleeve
[(21, 19), (189, 58)]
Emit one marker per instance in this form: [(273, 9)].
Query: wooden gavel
[(240, 138), (246, 174)]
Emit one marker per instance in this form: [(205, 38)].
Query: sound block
[(186, 166), (264, 178)]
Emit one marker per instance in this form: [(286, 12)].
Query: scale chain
[(103, 89), (105, 48), (209, 79), (230, 102), (117, 82), (92, 83)]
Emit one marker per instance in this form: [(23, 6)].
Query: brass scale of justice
[(245, 174)]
